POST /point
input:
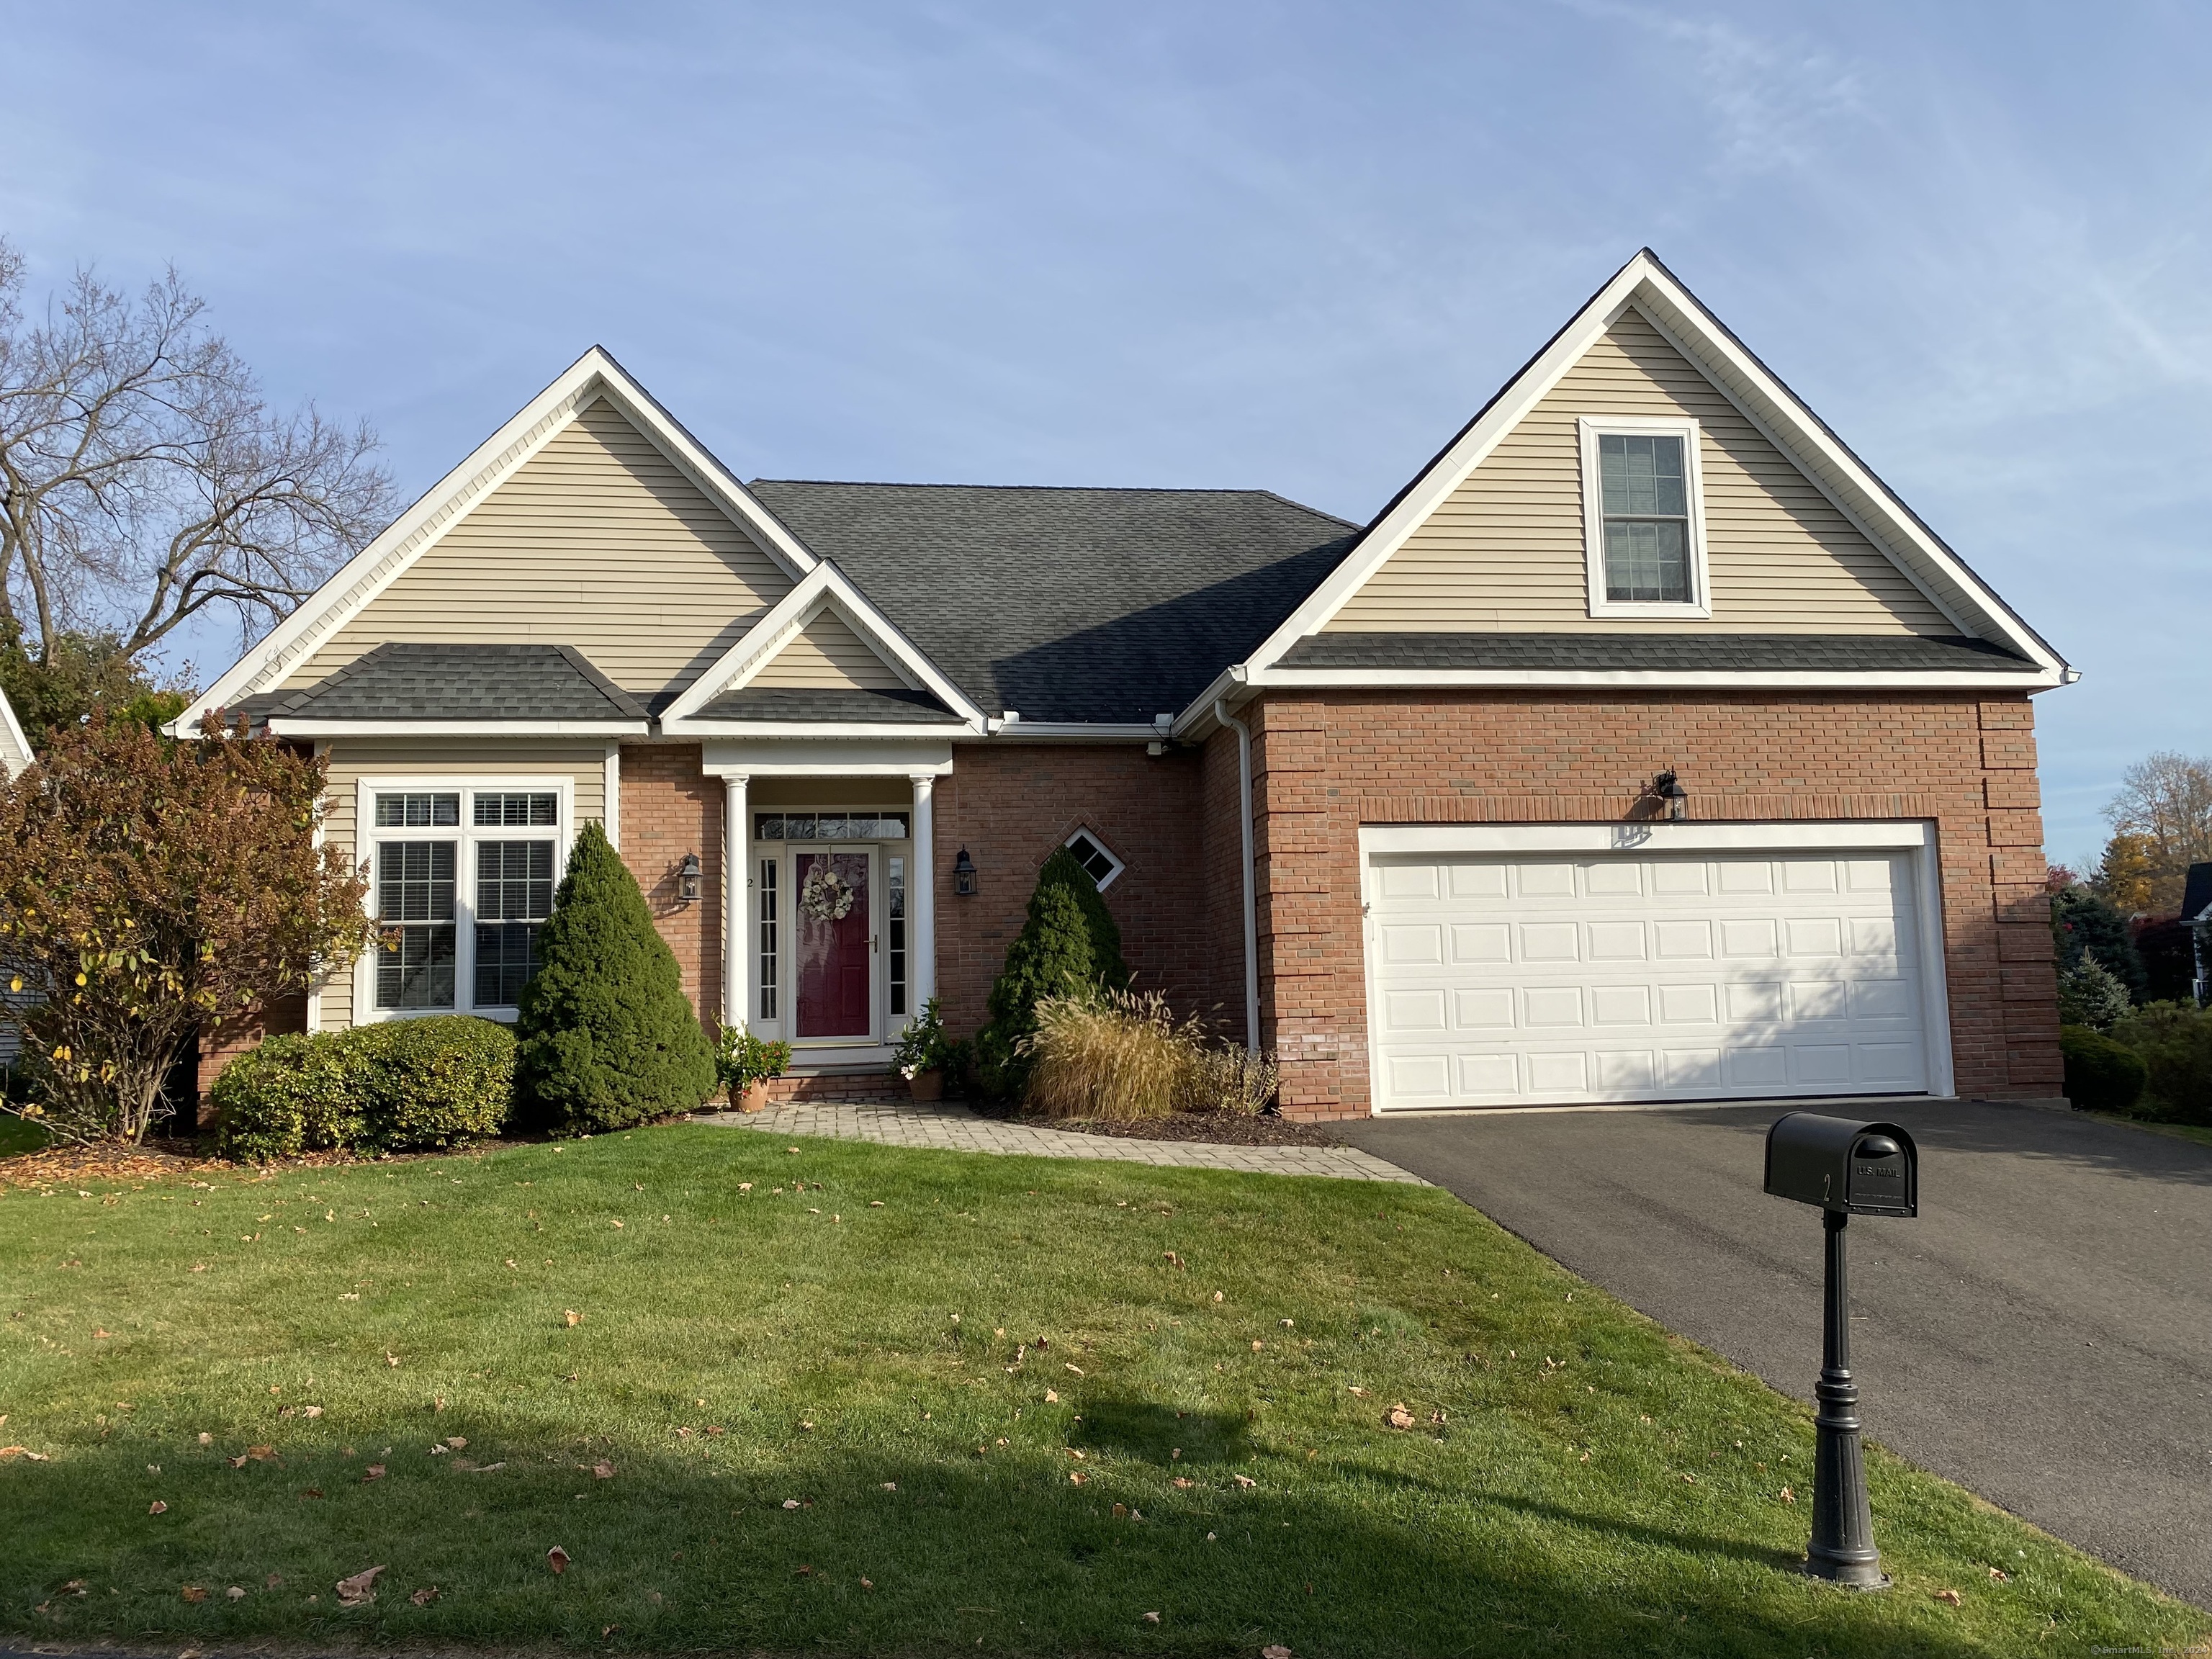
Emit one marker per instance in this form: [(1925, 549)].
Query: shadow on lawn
[(696, 1550)]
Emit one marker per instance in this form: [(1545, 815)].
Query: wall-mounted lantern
[(964, 875), (1669, 788), (687, 879)]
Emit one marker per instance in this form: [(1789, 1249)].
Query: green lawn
[(17, 1137), (1576, 1481)]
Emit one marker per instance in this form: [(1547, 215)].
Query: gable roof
[(593, 376), (1068, 605), (1772, 407), (504, 688), (15, 747)]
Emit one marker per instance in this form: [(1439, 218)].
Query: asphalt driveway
[(2042, 1333)]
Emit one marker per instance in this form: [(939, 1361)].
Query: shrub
[(2101, 1075), (1232, 1080), (608, 1038), (433, 1082), (742, 1060), (289, 1095), (1052, 957), (2089, 995), (2175, 1041), (1062, 870), (2080, 921), (1111, 1054)]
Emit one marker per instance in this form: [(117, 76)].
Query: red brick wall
[(221, 1043), (1328, 763), (670, 808), (1010, 804), (1222, 859)]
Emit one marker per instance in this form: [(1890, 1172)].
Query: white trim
[(1788, 679), (465, 834), (1087, 833), (922, 896), (825, 587), (1078, 731), (808, 731), (311, 728), (1784, 419), (15, 747), (737, 885), (358, 583), (1589, 429), (1913, 837), (813, 758), (611, 794)]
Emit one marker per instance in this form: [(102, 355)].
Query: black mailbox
[(1842, 1164)]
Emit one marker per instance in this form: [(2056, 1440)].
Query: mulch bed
[(1211, 1128)]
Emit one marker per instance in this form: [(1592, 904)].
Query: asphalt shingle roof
[(463, 682), (1069, 605), (766, 702), (1679, 652)]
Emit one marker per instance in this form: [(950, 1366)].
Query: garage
[(1516, 967)]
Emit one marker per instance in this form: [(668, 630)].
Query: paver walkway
[(956, 1128)]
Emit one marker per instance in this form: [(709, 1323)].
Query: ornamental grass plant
[(1119, 1056)]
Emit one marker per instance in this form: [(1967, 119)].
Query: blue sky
[(1291, 245)]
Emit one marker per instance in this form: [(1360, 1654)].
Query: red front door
[(835, 962)]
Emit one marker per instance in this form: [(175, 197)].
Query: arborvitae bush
[(1107, 967), (1052, 957), (607, 1037)]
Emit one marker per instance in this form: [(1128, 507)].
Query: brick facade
[(669, 807), (1328, 763)]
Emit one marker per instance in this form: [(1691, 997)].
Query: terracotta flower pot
[(755, 1097), (927, 1085)]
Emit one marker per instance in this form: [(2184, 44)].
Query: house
[(1644, 747), (15, 747), (2197, 915)]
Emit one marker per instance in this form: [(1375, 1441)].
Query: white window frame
[(1085, 832), (466, 834), (1594, 427), (883, 1025)]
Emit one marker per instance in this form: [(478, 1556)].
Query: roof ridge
[(1103, 490)]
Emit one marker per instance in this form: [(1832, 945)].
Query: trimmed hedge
[(2101, 1075), (402, 1085), (2174, 1040)]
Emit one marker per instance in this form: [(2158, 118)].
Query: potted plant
[(746, 1063), (923, 1049)]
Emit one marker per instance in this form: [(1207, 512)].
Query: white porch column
[(736, 882), (922, 897)]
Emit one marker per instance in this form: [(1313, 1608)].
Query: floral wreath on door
[(825, 895)]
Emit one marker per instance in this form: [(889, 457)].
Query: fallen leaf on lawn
[(206, 1439), (868, 1583), (311, 1411), (275, 1579), (1361, 1392), (1999, 1574), (97, 1333), (373, 1472), (195, 1593), (1949, 1595), (422, 1598), (1399, 1418), (1076, 1477), (359, 1588), (617, 1224), (1216, 1296), (157, 1507), (873, 1204), (456, 1442), (1078, 1370), (1184, 1483), (1121, 1511), (237, 1463), (22, 1451), (1275, 1652), (557, 1559), (235, 1593), (261, 1454), (790, 1502), (890, 1485), (1244, 1479), (713, 1428), (809, 1427), (602, 1470), (572, 1316), (1173, 1260), (1073, 1453), (606, 1630), (463, 1464), (392, 1359), (313, 1491), (806, 1572), (1050, 1398), (1150, 1617), (1788, 1496)]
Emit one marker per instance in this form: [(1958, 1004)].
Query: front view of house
[(1645, 747)]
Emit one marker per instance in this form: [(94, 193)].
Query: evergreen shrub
[(1052, 957), (403, 1086), (2101, 1075), (608, 1039), (2175, 1041)]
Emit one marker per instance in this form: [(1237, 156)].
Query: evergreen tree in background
[(2081, 921), (607, 1038)]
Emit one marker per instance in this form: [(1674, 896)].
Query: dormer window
[(1642, 517)]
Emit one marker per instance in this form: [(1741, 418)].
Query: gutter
[(1251, 896)]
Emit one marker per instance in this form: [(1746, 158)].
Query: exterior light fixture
[(687, 879), (964, 875), (1669, 788)]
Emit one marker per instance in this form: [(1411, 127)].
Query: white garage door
[(1539, 980)]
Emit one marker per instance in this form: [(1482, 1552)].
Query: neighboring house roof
[(2197, 893), (15, 747), (1666, 654), (418, 685), (1069, 605)]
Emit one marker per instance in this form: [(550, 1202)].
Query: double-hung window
[(1642, 517), (462, 877)]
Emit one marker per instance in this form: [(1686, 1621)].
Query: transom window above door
[(463, 879), (855, 823), (1642, 518)]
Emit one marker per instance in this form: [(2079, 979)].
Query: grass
[(1575, 1480), (2196, 1132), (17, 1137)]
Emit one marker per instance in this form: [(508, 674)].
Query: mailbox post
[(1845, 1167)]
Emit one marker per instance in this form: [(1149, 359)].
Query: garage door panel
[(1538, 981)]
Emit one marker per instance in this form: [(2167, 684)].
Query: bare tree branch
[(144, 479)]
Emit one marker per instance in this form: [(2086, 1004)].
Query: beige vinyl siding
[(596, 541), (827, 653), (1504, 552), (351, 761)]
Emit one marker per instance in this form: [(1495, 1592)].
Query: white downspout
[(1251, 896)]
